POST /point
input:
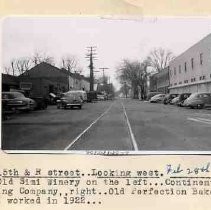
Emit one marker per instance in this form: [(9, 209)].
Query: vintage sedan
[(169, 97), (157, 98), (70, 99), (17, 101), (182, 98), (198, 100), (175, 101)]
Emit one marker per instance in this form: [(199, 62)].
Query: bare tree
[(12, 63), (7, 70), (40, 57), (70, 63), (135, 74), (159, 58), (22, 65)]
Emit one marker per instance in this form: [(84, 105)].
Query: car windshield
[(73, 94), (12, 95)]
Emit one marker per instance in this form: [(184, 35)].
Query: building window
[(202, 77), (192, 63), (193, 79), (185, 81), (180, 83), (170, 72), (175, 83), (180, 69), (175, 71), (201, 58), (185, 67)]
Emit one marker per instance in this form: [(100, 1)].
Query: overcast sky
[(115, 39)]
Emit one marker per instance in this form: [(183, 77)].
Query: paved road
[(121, 124)]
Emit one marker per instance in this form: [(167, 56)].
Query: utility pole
[(104, 68), (91, 56)]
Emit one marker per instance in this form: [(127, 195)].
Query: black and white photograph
[(104, 83)]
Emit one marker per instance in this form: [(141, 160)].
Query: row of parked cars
[(14, 101), (192, 100)]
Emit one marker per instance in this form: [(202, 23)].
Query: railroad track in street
[(94, 122)]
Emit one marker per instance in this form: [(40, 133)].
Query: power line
[(104, 68), (91, 55)]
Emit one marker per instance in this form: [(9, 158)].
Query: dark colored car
[(182, 98), (17, 101), (53, 98), (91, 96), (169, 97), (41, 102), (198, 100), (69, 100)]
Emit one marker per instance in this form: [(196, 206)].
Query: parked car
[(41, 102), (157, 98), (182, 98), (151, 94), (101, 96), (174, 101), (53, 98), (83, 94), (91, 96), (169, 97), (17, 101), (110, 96), (198, 100), (69, 100)]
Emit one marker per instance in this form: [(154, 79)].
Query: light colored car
[(101, 97), (17, 101), (157, 98), (198, 100), (69, 100), (175, 101)]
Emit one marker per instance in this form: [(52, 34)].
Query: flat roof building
[(191, 71)]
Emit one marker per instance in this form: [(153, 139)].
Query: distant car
[(182, 98), (174, 101), (101, 97), (151, 94), (17, 101), (110, 97), (91, 96), (69, 100), (169, 97), (157, 98), (198, 100)]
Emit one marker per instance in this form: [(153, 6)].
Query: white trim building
[(191, 71)]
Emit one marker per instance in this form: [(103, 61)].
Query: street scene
[(104, 126), (114, 85)]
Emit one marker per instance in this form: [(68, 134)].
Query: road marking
[(134, 143), (201, 120), (84, 131), (204, 119)]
